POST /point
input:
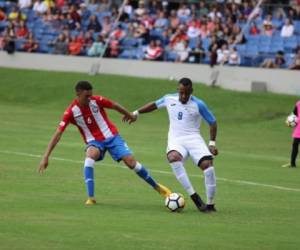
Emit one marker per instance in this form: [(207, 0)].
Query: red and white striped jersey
[(91, 120)]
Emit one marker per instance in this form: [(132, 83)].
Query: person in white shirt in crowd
[(223, 54), (40, 7), (193, 30), (183, 12), (182, 50), (23, 4), (234, 57), (287, 29)]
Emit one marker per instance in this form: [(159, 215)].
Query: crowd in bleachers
[(212, 32)]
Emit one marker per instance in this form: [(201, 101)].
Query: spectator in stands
[(183, 13), (9, 38), (94, 24), (114, 49), (203, 10), (40, 7), (88, 39), (71, 23), (296, 63), (21, 30), (268, 26), (75, 14), (141, 32), (162, 22), (3, 16), (16, 16), (31, 45), (60, 45), (106, 25), (174, 20), (234, 57), (84, 12), (24, 4), (141, 10), (193, 30), (287, 29), (204, 32), (223, 54), (214, 13), (196, 54), (105, 5), (254, 30), (75, 46), (154, 51), (118, 33), (182, 50), (277, 62), (97, 47)]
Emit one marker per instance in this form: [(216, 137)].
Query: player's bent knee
[(205, 162), (93, 152), (129, 161), (174, 156)]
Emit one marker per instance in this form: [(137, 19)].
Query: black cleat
[(199, 202), (211, 208)]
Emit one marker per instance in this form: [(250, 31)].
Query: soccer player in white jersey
[(185, 114), (87, 112)]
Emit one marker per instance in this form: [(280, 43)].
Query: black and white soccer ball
[(291, 121), (175, 202)]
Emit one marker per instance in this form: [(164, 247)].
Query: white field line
[(242, 182)]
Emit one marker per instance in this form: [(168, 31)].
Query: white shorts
[(193, 146)]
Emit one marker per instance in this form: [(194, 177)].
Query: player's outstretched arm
[(213, 134), (145, 109), (128, 117), (54, 140)]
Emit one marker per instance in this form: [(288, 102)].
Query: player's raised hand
[(213, 150), (43, 165)]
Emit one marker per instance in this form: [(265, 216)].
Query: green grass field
[(258, 201)]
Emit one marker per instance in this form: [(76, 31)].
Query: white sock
[(182, 177), (210, 184), (138, 167)]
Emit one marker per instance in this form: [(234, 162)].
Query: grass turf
[(47, 211)]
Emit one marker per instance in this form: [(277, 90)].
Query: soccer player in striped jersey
[(185, 114), (87, 112)]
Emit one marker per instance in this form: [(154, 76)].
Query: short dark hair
[(185, 81), (83, 85)]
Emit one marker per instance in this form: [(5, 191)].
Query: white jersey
[(185, 119)]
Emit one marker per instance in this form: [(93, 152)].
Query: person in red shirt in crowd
[(88, 113), (254, 30), (75, 46), (30, 45), (2, 15), (154, 51), (22, 30)]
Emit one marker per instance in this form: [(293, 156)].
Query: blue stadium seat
[(290, 43)]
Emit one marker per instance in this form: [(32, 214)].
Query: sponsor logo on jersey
[(94, 108)]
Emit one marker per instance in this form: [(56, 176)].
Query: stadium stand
[(180, 31)]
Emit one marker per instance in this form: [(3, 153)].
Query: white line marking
[(242, 182)]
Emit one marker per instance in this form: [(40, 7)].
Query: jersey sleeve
[(65, 120), (205, 112), (104, 102), (161, 103)]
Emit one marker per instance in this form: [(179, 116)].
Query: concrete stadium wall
[(234, 78)]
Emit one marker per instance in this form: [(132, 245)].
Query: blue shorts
[(116, 146)]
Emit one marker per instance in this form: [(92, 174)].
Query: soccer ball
[(291, 120), (175, 202)]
